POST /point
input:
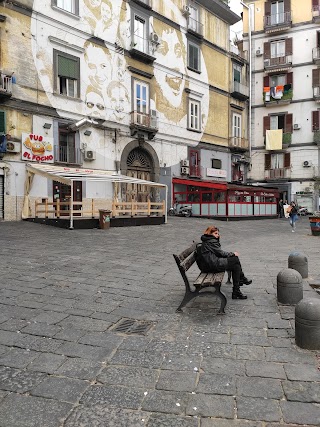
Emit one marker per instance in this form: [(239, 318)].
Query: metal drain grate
[(131, 326)]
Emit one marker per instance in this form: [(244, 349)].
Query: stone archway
[(139, 160)]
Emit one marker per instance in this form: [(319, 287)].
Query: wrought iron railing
[(316, 54), (145, 120), (277, 19), (5, 83), (278, 173), (195, 26), (67, 154), (316, 92), (278, 61)]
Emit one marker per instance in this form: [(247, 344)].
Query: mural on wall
[(105, 83)]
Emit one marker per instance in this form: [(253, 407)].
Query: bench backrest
[(186, 258)]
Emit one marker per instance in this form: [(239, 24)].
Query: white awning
[(67, 175)]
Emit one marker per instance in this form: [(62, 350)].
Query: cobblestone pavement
[(63, 364)]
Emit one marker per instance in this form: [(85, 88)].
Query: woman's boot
[(236, 293)]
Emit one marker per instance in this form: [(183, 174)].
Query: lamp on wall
[(87, 132), (47, 126)]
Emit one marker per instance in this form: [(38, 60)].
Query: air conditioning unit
[(186, 10), (307, 164), (184, 170), (89, 155), (155, 39), (296, 126), (184, 163), (258, 52), (266, 62), (13, 147)]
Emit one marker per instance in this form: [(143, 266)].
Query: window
[(279, 121), (2, 122), (216, 163), (278, 49), (278, 80), (236, 73), (277, 12), (194, 18), (71, 6), (236, 126), (193, 56), (194, 115), (139, 39), (66, 150), (277, 161), (315, 121), (67, 74), (141, 102)]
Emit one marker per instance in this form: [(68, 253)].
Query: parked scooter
[(184, 210), (302, 211)]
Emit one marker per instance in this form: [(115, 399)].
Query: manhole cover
[(131, 326)]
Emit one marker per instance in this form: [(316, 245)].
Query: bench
[(205, 280)]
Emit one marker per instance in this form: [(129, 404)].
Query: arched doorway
[(139, 165)]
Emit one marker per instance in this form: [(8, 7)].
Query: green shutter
[(68, 67), (2, 122)]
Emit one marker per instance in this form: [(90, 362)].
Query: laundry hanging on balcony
[(274, 139)]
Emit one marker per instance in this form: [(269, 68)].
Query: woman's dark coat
[(210, 257)]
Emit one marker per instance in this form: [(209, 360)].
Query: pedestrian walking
[(293, 215), (280, 209), (211, 258)]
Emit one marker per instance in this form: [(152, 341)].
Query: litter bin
[(104, 219)]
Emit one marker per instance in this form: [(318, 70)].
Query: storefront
[(220, 199)]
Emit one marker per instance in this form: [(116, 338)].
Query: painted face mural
[(94, 103)]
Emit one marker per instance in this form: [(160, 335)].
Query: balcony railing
[(195, 26), (195, 171), (67, 154), (280, 173), (316, 55), (240, 91), (143, 120), (234, 50), (278, 62), (238, 142), (316, 93), (143, 48), (316, 13), (286, 97), (277, 21), (5, 84)]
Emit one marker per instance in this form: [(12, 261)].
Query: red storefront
[(220, 199)]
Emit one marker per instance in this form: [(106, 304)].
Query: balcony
[(144, 3), (238, 144), (277, 22), (316, 93), (143, 49), (195, 171), (316, 55), (144, 122), (237, 53), (5, 86), (67, 155), (240, 91), (195, 27), (316, 14), (277, 174), (278, 64), (286, 98)]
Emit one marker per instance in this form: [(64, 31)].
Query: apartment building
[(285, 95), (138, 87)]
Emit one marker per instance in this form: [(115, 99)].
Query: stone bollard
[(298, 262), (289, 286), (307, 320)]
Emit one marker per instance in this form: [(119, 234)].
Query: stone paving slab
[(62, 365)]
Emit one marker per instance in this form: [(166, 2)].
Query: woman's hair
[(210, 230)]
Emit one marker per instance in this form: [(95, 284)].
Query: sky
[(236, 7)]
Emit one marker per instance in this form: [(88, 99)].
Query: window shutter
[(315, 78), (266, 50), (315, 3), (266, 124), (267, 162), (68, 67), (287, 162), (289, 46), (266, 81), (287, 5), (288, 128), (315, 121), (318, 38), (267, 8), (290, 79), (2, 122)]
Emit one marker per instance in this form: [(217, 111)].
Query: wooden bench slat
[(200, 279), (187, 252), (188, 262), (214, 277)]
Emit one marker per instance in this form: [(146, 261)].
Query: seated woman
[(212, 259)]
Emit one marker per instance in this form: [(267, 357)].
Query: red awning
[(207, 184)]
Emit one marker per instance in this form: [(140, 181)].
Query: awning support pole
[(71, 207), (166, 207)]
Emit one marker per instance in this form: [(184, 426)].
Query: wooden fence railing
[(57, 209)]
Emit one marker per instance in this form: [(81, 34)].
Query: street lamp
[(250, 76)]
